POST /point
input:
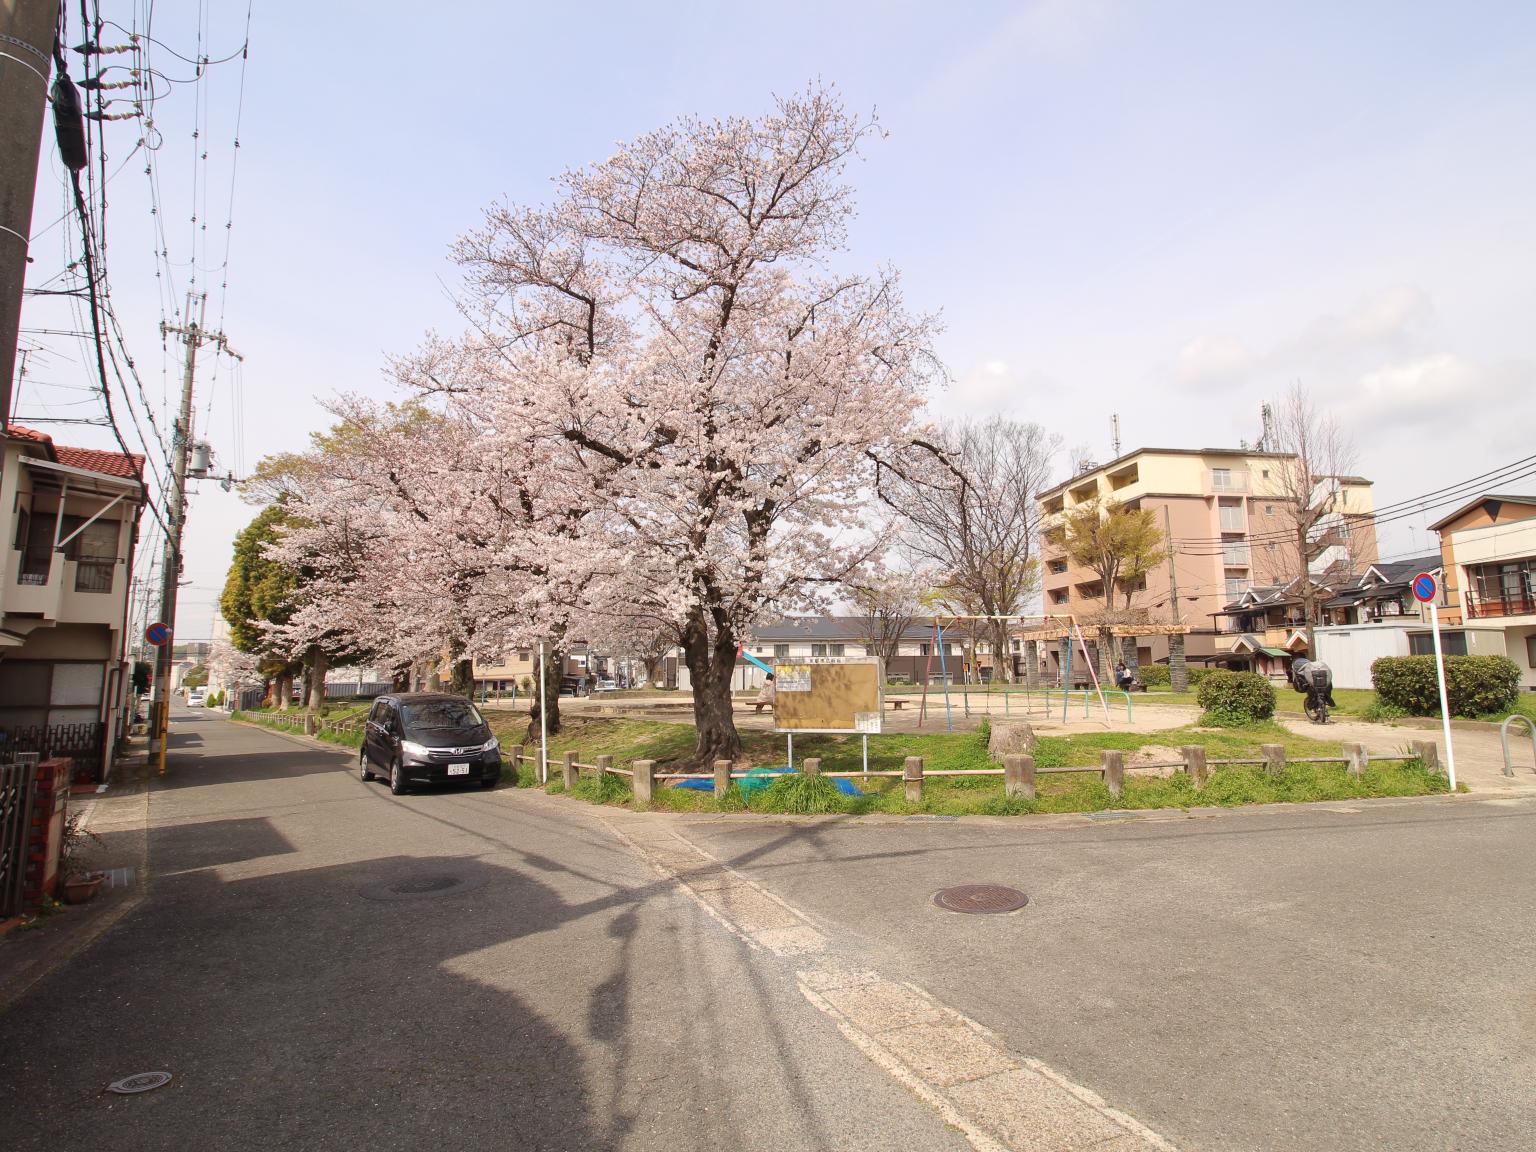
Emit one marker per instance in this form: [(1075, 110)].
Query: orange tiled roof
[(128, 465)]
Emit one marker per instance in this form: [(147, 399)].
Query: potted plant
[(80, 881)]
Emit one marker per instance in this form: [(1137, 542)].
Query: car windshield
[(433, 714)]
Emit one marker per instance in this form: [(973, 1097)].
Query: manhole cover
[(140, 1082), (425, 886), (981, 898)]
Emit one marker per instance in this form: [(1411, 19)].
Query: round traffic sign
[(1424, 588), (157, 634)]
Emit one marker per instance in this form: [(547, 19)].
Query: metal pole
[(543, 712), (866, 759), (949, 712), (1445, 708), (790, 738)]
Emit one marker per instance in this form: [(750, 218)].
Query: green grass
[(630, 739)]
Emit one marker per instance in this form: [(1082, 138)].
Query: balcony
[(1494, 607), (1225, 482), (30, 592)]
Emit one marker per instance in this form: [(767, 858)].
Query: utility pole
[(1173, 579), (194, 336), (27, 32)]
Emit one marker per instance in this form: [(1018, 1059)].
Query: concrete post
[(1194, 763), (311, 724), (912, 776), (722, 778), (1178, 671), (1274, 758), (1019, 776), (516, 756), (571, 772), (1063, 647), (1429, 753), (1357, 757), (1031, 664), (811, 765), (604, 766), (645, 779), (1113, 770)]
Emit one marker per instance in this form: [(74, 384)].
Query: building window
[(780, 651), (1231, 515), (818, 649), (1530, 650), (94, 551), (826, 649), (837, 650), (1059, 596), (1056, 567), (1236, 586), (1423, 643)]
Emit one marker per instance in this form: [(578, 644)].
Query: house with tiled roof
[(71, 519)]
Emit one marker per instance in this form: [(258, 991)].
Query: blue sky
[(1170, 211)]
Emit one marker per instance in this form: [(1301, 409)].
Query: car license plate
[(458, 769)]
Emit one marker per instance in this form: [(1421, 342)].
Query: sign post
[(1425, 591), (158, 635)]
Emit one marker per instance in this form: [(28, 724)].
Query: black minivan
[(428, 738)]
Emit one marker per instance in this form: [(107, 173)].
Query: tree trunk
[(1308, 594), (463, 683), (317, 666), (710, 666), (547, 704), (400, 678), (284, 691), (1106, 656), (1002, 654)]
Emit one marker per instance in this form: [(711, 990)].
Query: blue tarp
[(759, 778)]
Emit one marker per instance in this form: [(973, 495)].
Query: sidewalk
[(31, 950)]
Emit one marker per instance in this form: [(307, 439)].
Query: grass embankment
[(630, 739), (334, 712)]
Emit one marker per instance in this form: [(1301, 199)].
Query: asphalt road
[(324, 966), (535, 986), (1341, 977)]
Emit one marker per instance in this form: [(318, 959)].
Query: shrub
[(1198, 675), (1232, 699), (1474, 685), (1378, 713), (797, 792), (1155, 675)]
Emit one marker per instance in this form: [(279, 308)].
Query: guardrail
[(1530, 730)]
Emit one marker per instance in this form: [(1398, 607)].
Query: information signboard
[(830, 694)]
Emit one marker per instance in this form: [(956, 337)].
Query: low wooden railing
[(1019, 772)]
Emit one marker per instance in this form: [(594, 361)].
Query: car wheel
[(396, 779), (362, 765)]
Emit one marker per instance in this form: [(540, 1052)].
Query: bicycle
[(1316, 706)]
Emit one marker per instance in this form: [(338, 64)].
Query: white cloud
[(988, 387), (1211, 361), (1441, 392)]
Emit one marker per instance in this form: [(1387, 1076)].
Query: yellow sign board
[(829, 695)]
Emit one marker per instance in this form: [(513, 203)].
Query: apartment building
[(72, 518), (1488, 553), (1225, 514)]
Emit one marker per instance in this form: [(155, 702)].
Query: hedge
[(1154, 675), (1474, 685), (1231, 699)]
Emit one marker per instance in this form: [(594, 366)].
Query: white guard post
[(543, 715), (1445, 709)]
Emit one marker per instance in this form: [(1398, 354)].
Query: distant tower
[(1114, 433), (1267, 418)]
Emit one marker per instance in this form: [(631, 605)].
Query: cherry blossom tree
[(695, 404)]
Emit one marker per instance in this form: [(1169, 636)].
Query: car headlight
[(491, 745), (411, 748)]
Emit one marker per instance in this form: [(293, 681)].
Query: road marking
[(998, 1100)]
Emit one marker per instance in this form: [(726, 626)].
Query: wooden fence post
[(1112, 769), (1019, 776), (645, 777), (572, 773), (1428, 753), (1194, 763), (604, 766), (516, 756), (811, 765), (722, 778), (1357, 757), (912, 776), (1274, 758)]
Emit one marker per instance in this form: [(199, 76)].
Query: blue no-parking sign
[(157, 634), (1424, 588)]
